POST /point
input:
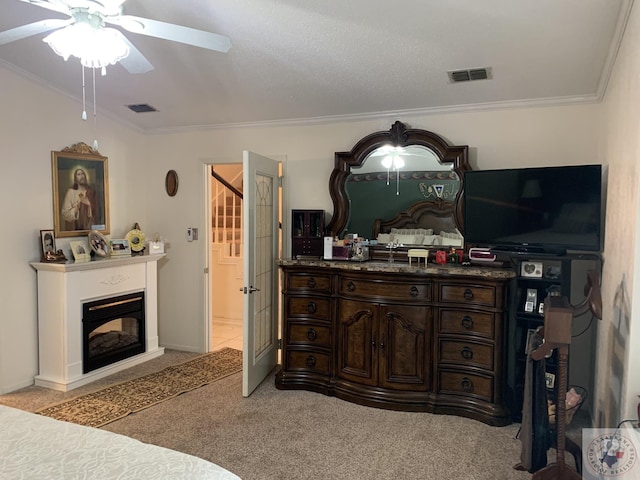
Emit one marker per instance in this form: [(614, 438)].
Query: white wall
[(524, 137), (618, 352), (34, 122)]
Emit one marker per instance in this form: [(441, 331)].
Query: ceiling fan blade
[(135, 62), (31, 29), (176, 33)]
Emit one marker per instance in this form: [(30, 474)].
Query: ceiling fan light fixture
[(95, 47), (393, 158)]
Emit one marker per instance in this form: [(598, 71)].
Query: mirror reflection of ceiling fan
[(91, 17)]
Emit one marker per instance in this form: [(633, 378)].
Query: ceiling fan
[(96, 14)]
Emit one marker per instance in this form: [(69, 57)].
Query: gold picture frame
[(80, 191)]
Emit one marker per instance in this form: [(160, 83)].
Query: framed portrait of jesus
[(80, 191)]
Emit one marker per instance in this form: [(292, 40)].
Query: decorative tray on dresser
[(397, 336)]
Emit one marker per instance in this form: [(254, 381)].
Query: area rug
[(111, 403)]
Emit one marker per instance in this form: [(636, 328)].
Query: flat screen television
[(543, 209)]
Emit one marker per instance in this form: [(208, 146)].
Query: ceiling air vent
[(141, 108), (469, 74)]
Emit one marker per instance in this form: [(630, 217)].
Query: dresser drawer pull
[(311, 283), (312, 307), (351, 286), (466, 385), (468, 294), (466, 353), (467, 322), (310, 361), (414, 291), (312, 334)]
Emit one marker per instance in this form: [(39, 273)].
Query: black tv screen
[(534, 209)]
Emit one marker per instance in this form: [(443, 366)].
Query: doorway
[(225, 256), (237, 225)]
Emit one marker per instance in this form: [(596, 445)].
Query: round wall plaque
[(171, 183)]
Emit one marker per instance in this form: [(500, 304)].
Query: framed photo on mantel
[(80, 250), (80, 191)]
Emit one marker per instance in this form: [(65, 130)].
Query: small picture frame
[(119, 247), (532, 300), (550, 380), (80, 250), (47, 244), (98, 244), (530, 333), (531, 269)]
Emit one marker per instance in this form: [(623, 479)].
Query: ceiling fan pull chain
[(95, 116), (94, 97), (84, 108)]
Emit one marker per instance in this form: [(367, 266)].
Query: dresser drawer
[(466, 384), (310, 361), (386, 289), (305, 334), (466, 353), (308, 307), (467, 322), (468, 294), (306, 282)]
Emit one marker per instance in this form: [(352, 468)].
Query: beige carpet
[(300, 435), (111, 403)]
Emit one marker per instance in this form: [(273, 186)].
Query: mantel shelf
[(95, 264)]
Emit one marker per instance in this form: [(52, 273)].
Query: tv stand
[(565, 275)]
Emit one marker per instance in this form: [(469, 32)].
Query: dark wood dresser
[(398, 337)]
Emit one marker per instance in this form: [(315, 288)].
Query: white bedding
[(34, 447), (421, 236)]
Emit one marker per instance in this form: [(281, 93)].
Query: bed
[(35, 447), (426, 224)]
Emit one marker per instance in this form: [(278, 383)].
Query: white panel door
[(260, 310)]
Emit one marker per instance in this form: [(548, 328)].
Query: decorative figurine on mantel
[(136, 240), (57, 257)]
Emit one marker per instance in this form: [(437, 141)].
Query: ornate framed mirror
[(393, 173)]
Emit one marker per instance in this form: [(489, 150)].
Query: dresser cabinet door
[(404, 347), (358, 339)]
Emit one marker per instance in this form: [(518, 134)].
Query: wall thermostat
[(531, 269)]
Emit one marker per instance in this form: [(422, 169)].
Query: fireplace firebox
[(112, 329)]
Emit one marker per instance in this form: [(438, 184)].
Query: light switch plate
[(192, 234)]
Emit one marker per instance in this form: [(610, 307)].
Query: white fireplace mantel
[(63, 288)]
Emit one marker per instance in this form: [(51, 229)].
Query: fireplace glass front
[(113, 329)]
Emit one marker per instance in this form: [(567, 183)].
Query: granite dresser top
[(431, 269)]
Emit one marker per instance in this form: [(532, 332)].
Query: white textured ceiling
[(304, 59)]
